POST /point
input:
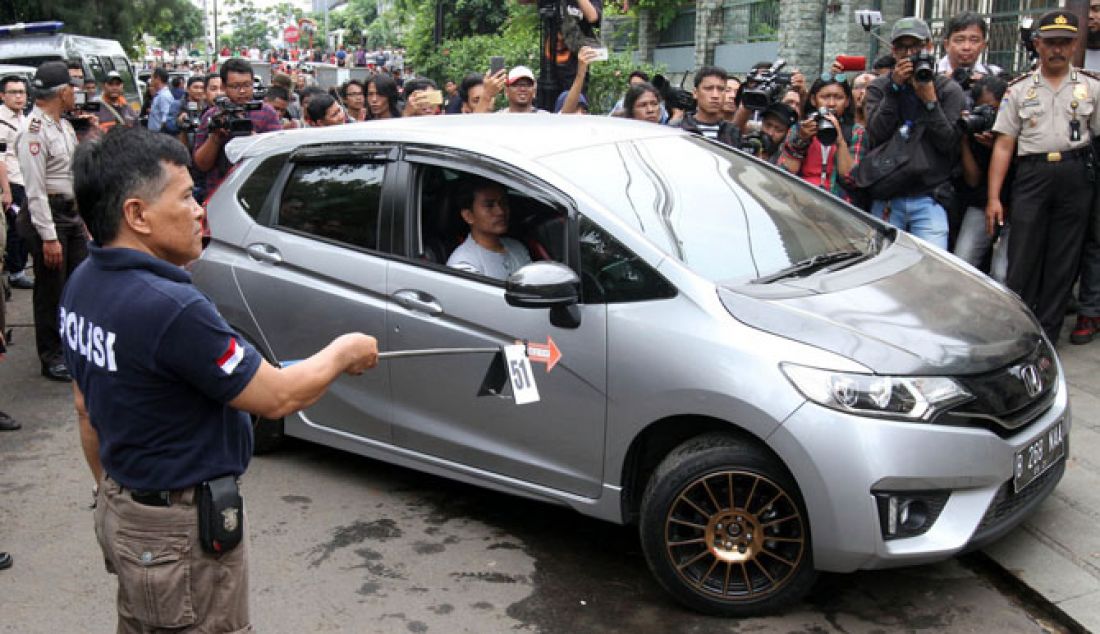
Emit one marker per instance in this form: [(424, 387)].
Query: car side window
[(335, 201), (610, 273), (534, 230), (258, 185)]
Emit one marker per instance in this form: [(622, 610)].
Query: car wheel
[(724, 529)]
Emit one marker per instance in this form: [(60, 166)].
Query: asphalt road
[(342, 543)]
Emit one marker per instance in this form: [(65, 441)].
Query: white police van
[(32, 43)]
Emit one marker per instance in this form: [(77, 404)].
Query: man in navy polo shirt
[(161, 385)]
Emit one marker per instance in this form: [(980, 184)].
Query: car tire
[(738, 555)]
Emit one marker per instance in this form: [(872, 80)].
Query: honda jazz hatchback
[(764, 380)]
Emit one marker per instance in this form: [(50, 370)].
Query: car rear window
[(254, 190), (337, 201)]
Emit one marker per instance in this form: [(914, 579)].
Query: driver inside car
[(483, 206)]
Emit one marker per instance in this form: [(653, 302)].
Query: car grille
[(1007, 503), (1001, 400)]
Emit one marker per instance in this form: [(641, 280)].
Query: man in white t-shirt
[(486, 251)]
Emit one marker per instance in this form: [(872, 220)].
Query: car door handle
[(264, 253), (418, 301)]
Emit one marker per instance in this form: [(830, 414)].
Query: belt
[(157, 498), (1056, 157)]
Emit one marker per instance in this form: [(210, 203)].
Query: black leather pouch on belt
[(221, 515)]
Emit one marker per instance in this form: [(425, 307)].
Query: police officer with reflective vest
[(1047, 119), (161, 387), (52, 229)]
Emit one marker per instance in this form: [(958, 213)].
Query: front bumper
[(839, 459)]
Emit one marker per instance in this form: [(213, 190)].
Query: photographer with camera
[(235, 114), (974, 243), (1047, 120), (707, 119), (566, 26), (183, 117), (911, 125), (964, 40), (825, 147)]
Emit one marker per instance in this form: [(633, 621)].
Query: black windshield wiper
[(809, 265)]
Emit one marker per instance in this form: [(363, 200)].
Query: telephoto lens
[(924, 67), (826, 131)]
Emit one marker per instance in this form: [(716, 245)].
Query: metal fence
[(1004, 17), (679, 32), (761, 25)]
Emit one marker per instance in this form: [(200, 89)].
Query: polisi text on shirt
[(89, 340)]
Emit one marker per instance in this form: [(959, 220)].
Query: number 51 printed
[(524, 389)]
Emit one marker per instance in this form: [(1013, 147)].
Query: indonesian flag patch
[(231, 357)]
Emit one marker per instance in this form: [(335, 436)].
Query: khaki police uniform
[(45, 149), (11, 123), (1052, 191)]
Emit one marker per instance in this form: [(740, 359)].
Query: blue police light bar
[(31, 28)]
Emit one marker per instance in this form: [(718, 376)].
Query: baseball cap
[(518, 73), (112, 76), (1056, 24), (560, 101), (911, 27), (53, 74), (785, 113)]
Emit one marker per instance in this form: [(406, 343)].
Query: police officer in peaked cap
[(1046, 122)]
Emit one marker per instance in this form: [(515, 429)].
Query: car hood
[(910, 310)]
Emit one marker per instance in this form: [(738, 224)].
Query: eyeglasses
[(840, 78), (238, 87)]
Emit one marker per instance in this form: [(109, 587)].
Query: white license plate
[(1043, 453)]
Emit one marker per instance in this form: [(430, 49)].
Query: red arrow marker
[(547, 353)]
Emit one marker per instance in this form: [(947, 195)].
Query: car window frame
[(415, 157), (332, 153)]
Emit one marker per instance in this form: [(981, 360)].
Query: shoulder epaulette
[(1089, 73), (1019, 79), (35, 125)]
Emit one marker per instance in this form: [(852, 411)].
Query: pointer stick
[(398, 354)]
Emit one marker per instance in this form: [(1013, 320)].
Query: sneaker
[(1085, 329), (21, 281)]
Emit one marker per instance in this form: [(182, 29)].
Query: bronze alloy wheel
[(735, 536)]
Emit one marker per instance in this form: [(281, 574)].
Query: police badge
[(229, 519)]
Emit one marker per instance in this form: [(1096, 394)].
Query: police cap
[(53, 74), (1056, 23)]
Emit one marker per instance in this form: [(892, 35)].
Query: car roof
[(524, 135), (16, 69)]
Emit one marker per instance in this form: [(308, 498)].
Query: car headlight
[(899, 397)]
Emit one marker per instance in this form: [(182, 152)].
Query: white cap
[(518, 73)]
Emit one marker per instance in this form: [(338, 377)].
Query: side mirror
[(542, 285)]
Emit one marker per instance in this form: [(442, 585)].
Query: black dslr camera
[(233, 117), (964, 77), (765, 87), (190, 118), (674, 98), (826, 131), (980, 119), (924, 67)]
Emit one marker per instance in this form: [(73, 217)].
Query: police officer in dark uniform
[(1047, 119), (50, 227), (161, 387)]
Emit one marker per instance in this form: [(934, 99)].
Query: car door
[(439, 405), (314, 272)]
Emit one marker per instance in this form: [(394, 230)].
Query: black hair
[(351, 82), (385, 85), (993, 84), (177, 82), (212, 76), (9, 79), (414, 85), (886, 61), (849, 110), (467, 187), (124, 163), (468, 82), (160, 73), (308, 93), (965, 20), (634, 93), (196, 79), (711, 71), (74, 64), (318, 106), (640, 74), (235, 65), (277, 92)]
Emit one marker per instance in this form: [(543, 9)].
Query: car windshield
[(730, 219)]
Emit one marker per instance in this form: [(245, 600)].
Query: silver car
[(766, 381)]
